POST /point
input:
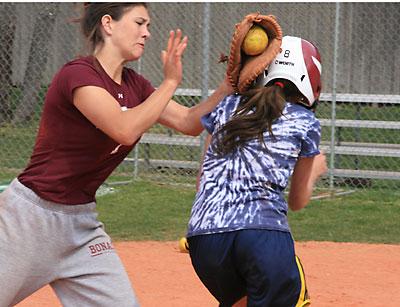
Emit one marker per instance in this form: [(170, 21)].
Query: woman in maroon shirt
[(95, 112)]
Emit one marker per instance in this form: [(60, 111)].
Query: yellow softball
[(255, 41), (183, 245)]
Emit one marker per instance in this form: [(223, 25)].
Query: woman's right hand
[(172, 57), (305, 174), (319, 167)]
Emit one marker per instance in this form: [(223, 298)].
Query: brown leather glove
[(242, 69)]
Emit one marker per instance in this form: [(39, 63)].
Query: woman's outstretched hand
[(172, 57)]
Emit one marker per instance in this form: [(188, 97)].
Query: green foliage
[(16, 146)]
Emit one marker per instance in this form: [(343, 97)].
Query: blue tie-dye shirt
[(244, 190)]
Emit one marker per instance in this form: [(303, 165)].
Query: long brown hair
[(92, 14), (256, 112)]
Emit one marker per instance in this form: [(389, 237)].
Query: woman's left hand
[(172, 57)]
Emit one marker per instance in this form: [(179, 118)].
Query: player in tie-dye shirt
[(239, 237)]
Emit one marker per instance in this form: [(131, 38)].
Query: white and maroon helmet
[(299, 62)]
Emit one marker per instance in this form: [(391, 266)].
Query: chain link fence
[(359, 109)]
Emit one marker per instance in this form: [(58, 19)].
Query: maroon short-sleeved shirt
[(71, 157)]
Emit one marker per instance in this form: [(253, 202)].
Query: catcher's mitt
[(242, 70)]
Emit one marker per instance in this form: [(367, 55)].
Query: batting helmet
[(299, 62)]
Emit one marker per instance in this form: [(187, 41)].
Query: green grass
[(149, 211), (359, 111), (364, 216), (146, 211)]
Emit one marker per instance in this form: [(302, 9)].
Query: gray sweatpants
[(65, 246)]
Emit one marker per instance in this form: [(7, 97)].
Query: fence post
[(334, 84), (136, 149), (206, 64)]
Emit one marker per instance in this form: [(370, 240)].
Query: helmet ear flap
[(312, 60)]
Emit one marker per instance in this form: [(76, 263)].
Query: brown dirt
[(337, 274)]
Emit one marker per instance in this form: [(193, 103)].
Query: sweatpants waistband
[(18, 188)]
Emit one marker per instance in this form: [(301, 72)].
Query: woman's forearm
[(187, 120)]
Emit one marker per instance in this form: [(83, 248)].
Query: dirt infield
[(338, 274)]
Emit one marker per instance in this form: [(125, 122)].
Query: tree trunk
[(7, 34), (37, 60)]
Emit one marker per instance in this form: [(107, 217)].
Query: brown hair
[(256, 112), (92, 14)]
